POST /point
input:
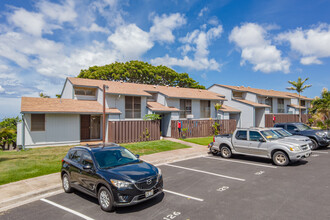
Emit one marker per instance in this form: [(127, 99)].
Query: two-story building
[(77, 115), (254, 103)]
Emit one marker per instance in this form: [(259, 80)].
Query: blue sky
[(260, 44)]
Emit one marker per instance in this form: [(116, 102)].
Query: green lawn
[(15, 166), (202, 140)]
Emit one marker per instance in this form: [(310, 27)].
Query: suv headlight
[(120, 184), (159, 174), (294, 148), (321, 134)]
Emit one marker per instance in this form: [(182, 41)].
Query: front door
[(85, 124), (95, 127), (257, 147)]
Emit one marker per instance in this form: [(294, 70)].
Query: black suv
[(320, 138), (110, 173)]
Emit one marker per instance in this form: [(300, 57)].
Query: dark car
[(320, 138), (112, 174)]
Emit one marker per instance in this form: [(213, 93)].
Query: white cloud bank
[(256, 49), (312, 44), (197, 42)]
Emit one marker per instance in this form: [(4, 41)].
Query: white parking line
[(183, 195), (321, 152), (201, 171), (67, 209), (236, 161)]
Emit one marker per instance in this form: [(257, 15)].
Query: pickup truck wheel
[(225, 152), (280, 158), (315, 145)]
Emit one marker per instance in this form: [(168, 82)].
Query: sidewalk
[(25, 191)]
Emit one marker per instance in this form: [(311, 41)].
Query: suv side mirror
[(262, 140), (295, 130), (137, 156)]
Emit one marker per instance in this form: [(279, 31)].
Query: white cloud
[(163, 26), (131, 41), (256, 49), (110, 10), (60, 12), (30, 22), (311, 44), (201, 13), (95, 28), (2, 90), (198, 42), (213, 21)]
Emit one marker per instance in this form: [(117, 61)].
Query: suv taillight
[(62, 160), (213, 138)]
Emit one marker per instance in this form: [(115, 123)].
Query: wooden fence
[(283, 118), (133, 131), (202, 128)]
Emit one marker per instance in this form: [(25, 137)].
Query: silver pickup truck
[(260, 142)]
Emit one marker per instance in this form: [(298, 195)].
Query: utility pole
[(103, 125)]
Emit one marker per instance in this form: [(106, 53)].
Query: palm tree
[(298, 87)]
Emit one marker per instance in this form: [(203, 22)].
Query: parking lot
[(211, 188)]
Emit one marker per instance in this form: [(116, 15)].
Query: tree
[(298, 87), (8, 131), (140, 72), (42, 95), (321, 109)]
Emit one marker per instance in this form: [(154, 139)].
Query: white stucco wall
[(196, 109), (60, 129), (161, 99), (260, 117), (250, 96), (67, 92), (116, 101), (222, 91)]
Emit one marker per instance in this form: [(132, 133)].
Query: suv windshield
[(114, 158), (283, 132), (270, 135), (302, 127)]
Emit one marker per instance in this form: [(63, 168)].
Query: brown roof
[(56, 105), (297, 106), (225, 108), (144, 89), (157, 107), (252, 103), (264, 92)]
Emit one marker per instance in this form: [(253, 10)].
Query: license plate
[(149, 193)]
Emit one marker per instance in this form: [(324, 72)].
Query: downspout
[(23, 132)]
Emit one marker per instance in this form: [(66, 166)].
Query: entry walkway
[(24, 191)]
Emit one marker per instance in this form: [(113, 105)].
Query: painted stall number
[(172, 216), (314, 155), (221, 189), (259, 173)]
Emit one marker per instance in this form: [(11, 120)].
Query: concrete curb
[(54, 186)]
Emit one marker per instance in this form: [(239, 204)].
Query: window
[(205, 109), (280, 126), (37, 122), (280, 105), (291, 127), (87, 159), (302, 103), (237, 94), (84, 91), (254, 136), (132, 107), (76, 156), (269, 101), (185, 108), (241, 135)]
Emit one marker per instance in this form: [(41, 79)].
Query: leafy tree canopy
[(321, 109), (140, 72)]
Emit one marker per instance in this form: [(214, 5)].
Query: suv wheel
[(66, 183), (105, 199), (315, 145), (280, 158), (225, 152)]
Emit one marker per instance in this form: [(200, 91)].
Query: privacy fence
[(201, 128), (133, 131), (283, 118)]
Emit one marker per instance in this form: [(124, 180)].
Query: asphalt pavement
[(209, 187)]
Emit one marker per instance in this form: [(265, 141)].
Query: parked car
[(260, 142), (110, 173), (320, 138), (288, 136)]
